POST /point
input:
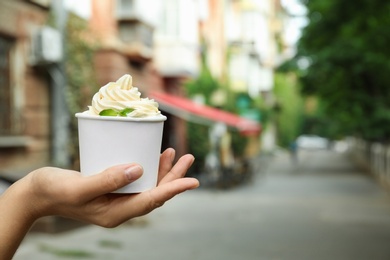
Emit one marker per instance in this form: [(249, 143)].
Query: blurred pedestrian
[(293, 152)]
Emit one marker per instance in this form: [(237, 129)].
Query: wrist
[(16, 218), (21, 200)]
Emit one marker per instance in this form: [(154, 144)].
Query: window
[(136, 32), (170, 20), (131, 24), (5, 88), (125, 9)]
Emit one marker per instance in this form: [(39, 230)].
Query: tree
[(288, 109), (347, 48)]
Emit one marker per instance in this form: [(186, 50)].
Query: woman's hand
[(53, 191), (67, 193)]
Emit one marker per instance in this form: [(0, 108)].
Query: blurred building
[(156, 42), (245, 42), (24, 90), (159, 43), (176, 58)]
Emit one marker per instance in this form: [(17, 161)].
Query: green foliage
[(198, 144), (198, 135), (318, 122), (206, 85), (68, 253), (110, 244), (347, 47), (239, 143), (289, 108), (81, 79)]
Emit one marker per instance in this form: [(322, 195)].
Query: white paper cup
[(106, 141)]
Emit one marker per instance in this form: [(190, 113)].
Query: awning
[(193, 112)]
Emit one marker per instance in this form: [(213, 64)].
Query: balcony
[(134, 30), (137, 39), (176, 59)]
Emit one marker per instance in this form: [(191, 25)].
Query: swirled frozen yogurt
[(121, 98), (121, 127)]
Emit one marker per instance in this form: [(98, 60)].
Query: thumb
[(111, 179)]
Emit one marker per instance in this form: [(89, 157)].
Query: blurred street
[(322, 208)]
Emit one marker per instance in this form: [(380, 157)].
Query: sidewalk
[(321, 209)]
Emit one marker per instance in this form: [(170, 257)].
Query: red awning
[(193, 112)]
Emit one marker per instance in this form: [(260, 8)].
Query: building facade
[(158, 47), (24, 91), (245, 44)]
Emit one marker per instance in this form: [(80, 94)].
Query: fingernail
[(172, 155), (134, 172)]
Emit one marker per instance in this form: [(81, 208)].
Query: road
[(320, 209)]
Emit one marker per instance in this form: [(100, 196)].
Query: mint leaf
[(125, 111), (108, 112)]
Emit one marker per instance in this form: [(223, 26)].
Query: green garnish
[(126, 111), (113, 112), (108, 112)]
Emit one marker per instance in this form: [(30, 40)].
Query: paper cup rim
[(157, 118)]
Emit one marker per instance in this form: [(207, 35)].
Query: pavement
[(320, 208)]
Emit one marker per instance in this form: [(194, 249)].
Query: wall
[(373, 158), (28, 146)]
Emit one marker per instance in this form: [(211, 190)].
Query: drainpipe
[(60, 117)]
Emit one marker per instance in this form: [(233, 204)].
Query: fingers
[(165, 192), (110, 180), (112, 209), (147, 201), (166, 162), (171, 184), (179, 169)]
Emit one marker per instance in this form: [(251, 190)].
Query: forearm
[(15, 220)]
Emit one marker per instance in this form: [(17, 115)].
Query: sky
[(293, 30), (79, 7)]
